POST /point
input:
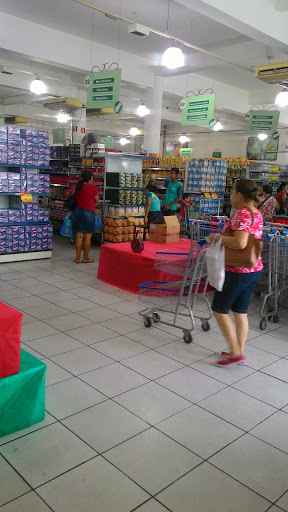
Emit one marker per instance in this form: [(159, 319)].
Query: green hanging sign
[(262, 121), (197, 110), (108, 141), (188, 152), (104, 89), (59, 136)]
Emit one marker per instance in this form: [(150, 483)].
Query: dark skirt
[(83, 220), (154, 216)]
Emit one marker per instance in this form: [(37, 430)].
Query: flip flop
[(88, 261), (75, 261)]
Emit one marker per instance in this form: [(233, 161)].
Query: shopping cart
[(201, 229), (177, 299)]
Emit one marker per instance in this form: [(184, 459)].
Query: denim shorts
[(83, 220), (236, 293)]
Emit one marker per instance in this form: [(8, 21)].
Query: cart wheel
[(187, 337), (257, 295), (276, 319), (147, 322), (156, 318), (205, 326), (263, 324)]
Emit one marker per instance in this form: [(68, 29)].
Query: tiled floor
[(136, 419)]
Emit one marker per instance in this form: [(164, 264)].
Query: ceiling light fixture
[(282, 98), (123, 141), (37, 86), (173, 57), (217, 127), (62, 117), (142, 110), (262, 136), (183, 139), (134, 131)]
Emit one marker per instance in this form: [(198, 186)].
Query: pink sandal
[(231, 361)]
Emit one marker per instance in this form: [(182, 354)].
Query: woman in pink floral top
[(268, 205), (239, 282)]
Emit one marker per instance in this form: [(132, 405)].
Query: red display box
[(10, 332)]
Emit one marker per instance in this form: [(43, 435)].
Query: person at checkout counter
[(174, 191)]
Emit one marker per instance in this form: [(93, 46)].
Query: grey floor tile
[(70, 397), (186, 354), (200, 431), (77, 304), (82, 360), (126, 307), (27, 319), (55, 373), (211, 340), (48, 420), (31, 351), (274, 431), (281, 333), (86, 292), (225, 375), (30, 502), (105, 425), (114, 379), (258, 359), (271, 344), (283, 502), (100, 314), (269, 479), (151, 506), (106, 299), (152, 402), (152, 364), (68, 321), (58, 297), (55, 344), (122, 325), (28, 303), (120, 348), (276, 509), (272, 391), (238, 408), (191, 384), (36, 329), (46, 453), (279, 370), (11, 484), (92, 333), (208, 489), (151, 338), (47, 311), (92, 483), (168, 459), (14, 295)]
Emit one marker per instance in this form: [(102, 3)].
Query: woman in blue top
[(152, 207)]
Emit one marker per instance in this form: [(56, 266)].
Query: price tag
[(214, 196), (26, 198), (207, 195)]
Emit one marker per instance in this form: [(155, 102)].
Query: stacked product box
[(206, 175), (16, 182), (29, 213), (15, 239), (25, 147)]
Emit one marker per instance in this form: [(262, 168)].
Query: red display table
[(121, 267), (10, 330)]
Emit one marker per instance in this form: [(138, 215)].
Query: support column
[(78, 125), (152, 124)]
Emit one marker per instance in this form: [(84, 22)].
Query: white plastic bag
[(215, 259)]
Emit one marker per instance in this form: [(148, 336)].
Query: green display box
[(22, 396)]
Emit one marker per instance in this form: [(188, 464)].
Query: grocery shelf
[(58, 185)]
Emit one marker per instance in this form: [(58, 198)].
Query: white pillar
[(152, 124), (78, 125)]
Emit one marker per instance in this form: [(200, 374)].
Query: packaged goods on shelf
[(173, 161), (59, 152), (128, 197), (206, 175), (125, 211), (238, 163), (206, 206), (82, 150), (21, 146), (122, 180), (15, 239), (122, 230)]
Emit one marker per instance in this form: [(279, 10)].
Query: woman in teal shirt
[(152, 207)]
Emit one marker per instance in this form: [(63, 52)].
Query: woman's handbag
[(247, 257), (137, 244), (71, 203)]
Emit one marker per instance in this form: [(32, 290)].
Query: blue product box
[(3, 157), (14, 145), (14, 158), (3, 132)]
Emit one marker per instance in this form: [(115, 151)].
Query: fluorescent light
[(142, 110), (173, 57), (123, 141), (262, 136), (37, 86), (183, 139), (62, 117), (282, 99), (218, 126), (134, 131)]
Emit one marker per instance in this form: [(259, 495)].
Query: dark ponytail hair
[(248, 189), (150, 187), (282, 186), (85, 177)]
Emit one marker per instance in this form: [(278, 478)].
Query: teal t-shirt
[(173, 191), (155, 202)]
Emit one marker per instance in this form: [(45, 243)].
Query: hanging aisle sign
[(59, 136), (197, 110), (262, 121), (104, 89)]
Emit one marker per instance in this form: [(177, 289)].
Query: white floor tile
[(120, 348), (27, 319), (190, 384), (30, 502), (279, 370), (92, 333), (122, 325), (67, 321), (28, 303), (270, 343), (168, 459), (274, 431), (58, 297), (272, 391), (46, 454), (225, 375), (238, 408), (106, 299), (105, 425), (47, 311), (152, 364), (152, 402), (283, 502), (100, 314), (55, 344), (259, 466), (86, 292), (11, 484), (126, 307), (114, 379), (200, 431), (258, 359), (151, 338), (211, 340), (81, 360), (281, 333), (77, 304), (151, 506), (90, 484), (208, 489), (70, 397), (55, 373), (14, 295), (48, 420), (186, 354), (35, 330)]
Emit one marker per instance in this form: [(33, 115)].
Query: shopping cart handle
[(285, 232), (202, 242)]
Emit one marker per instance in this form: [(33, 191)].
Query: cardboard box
[(166, 232)]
